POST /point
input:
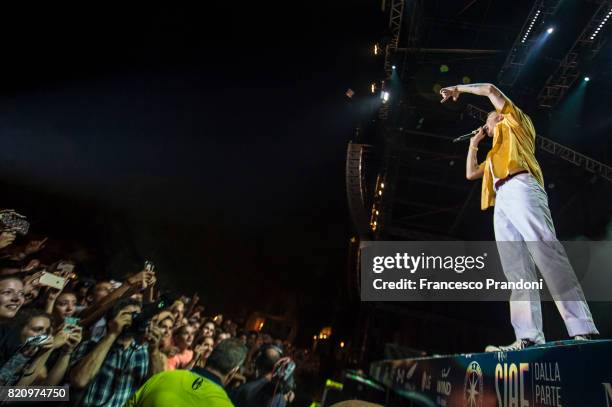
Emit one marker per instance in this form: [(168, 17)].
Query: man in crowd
[(112, 369), (104, 297), (203, 387), (265, 389)]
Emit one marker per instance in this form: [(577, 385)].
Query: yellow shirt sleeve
[(514, 115)]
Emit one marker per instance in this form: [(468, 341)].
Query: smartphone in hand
[(70, 322), (52, 280), (14, 221)]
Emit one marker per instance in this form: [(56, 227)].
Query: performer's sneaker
[(519, 344), (585, 337)]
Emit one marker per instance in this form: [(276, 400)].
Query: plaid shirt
[(121, 374)]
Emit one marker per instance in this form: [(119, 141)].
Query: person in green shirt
[(201, 387)]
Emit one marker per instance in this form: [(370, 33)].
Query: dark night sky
[(216, 134)]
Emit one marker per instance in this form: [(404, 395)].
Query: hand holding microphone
[(477, 134)]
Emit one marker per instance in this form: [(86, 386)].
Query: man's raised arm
[(481, 89)]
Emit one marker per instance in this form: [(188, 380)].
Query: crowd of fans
[(123, 343)]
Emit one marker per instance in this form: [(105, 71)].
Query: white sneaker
[(585, 337), (519, 344)]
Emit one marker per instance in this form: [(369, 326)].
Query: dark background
[(208, 138)]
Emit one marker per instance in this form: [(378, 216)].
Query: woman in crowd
[(12, 297), (183, 339), (27, 348), (203, 348), (178, 311), (209, 328), (165, 321), (61, 304)]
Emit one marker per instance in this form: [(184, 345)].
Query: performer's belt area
[(502, 181)]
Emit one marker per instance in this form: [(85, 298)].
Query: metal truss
[(355, 187), (517, 57), (574, 157), (395, 25), (568, 69), (552, 147)]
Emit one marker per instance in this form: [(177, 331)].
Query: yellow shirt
[(178, 388), (513, 150)]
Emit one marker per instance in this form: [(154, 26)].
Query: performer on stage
[(513, 183)]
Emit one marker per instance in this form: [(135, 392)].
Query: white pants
[(521, 215)]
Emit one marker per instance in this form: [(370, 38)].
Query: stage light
[(444, 68), (375, 49), (393, 67), (384, 95), (550, 30), (373, 88), (533, 20), (382, 184), (586, 79), (342, 344), (466, 80), (600, 26)]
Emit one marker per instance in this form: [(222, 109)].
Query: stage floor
[(564, 373)]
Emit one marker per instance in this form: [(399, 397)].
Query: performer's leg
[(525, 307), (527, 205)]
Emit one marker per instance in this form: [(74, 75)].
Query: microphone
[(465, 136)]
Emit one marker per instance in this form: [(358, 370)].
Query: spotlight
[(375, 49), (586, 78), (384, 95), (393, 67), (550, 30)]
